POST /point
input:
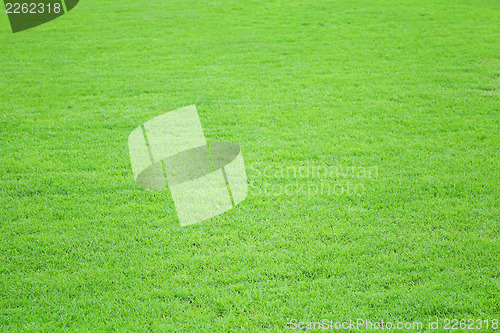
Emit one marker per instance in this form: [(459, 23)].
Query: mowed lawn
[(397, 101)]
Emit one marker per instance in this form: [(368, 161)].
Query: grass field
[(405, 94)]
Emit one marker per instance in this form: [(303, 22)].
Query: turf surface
[(405, 94)]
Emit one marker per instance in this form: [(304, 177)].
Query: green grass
[(410, 88)]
